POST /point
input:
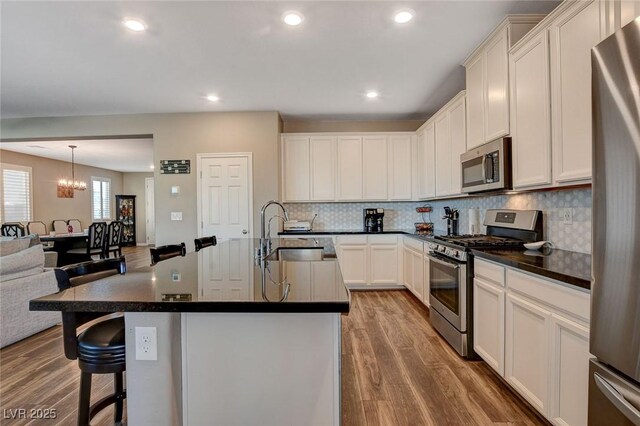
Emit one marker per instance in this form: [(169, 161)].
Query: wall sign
[(175, 167)]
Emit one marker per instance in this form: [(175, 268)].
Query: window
[(17, 197), (100, 198)]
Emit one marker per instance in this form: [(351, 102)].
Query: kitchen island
[(240, 340)]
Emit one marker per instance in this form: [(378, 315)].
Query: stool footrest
[(105, 402)]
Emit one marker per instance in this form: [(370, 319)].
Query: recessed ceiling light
[(293, 18), (403, 16), (213, 98), (372, 94), (134, 24)]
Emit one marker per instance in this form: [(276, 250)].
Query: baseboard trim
[(142, 244), (373, 287)]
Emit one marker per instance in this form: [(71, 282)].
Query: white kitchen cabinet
[(323, 167), (384, 263), (488, 320), (374, 166), (458, 140), (321, 274), (527, 350), (572, 35), (426, 280), (426, 161), (450, 142), (413, 261), (530, 112), (299, 274), (475, 86), (496, 113), (296, 170), (568, 404), (370, 260), (350, 172), (400, 175), (354, 263), (443, 155), (418, 274), (407, 261)]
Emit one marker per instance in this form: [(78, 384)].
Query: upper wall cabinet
[(450, 143), (350, 168), (487, 85), (322, 167), (308, 168), (295, 162), (374, 167), (426, 161), (400, 179)]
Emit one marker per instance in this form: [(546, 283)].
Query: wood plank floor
[(396, 371)]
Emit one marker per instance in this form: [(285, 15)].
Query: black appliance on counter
[(373, 220), (451, 270), (453, 218)]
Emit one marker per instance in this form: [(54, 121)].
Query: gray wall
[(177, 136), (134, 184), (46, 173)]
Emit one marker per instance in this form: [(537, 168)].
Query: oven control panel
[(451, 252)]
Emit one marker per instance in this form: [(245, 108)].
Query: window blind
[(16, 193), (100, 198)]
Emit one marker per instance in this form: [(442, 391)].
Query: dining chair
[(158, 254), (59, 226), (13, 229), (114, 237), (75, 224), (96, 240), (205, 242), (36, 227), (100, 348)]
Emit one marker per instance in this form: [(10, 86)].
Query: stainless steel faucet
[(264, 239)]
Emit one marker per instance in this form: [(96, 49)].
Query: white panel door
[(323, 167), (475, 102), (374, 165), (400, 167), (497, 87), (572, 36), (488, 323), (225, 271), (296, 176), (354, 264), (527, 354), (458, 140), (149, 193), (569, 372), (427, 162), (443, 155), (530, 113), (224, 197), (349, 168), (383, 261)]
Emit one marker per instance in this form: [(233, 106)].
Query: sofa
[(26, 273)]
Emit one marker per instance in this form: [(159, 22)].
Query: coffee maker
[(373, 220)]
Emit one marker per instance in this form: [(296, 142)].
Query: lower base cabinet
[(372, 260), (488, 317), (353, 263)]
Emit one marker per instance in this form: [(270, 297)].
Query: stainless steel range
[(451, 270)]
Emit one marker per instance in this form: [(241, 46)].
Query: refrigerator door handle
[(617, 399)]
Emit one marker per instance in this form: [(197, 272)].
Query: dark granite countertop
[(408, 232), (567, 266), (222, 278)]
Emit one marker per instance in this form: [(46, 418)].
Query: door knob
[(244, 231)]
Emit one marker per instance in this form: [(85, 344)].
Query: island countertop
[(222, 278)]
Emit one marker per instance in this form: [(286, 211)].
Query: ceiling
[(122, 155), (76, 58)]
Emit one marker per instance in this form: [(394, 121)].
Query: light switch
[(175, 190), (176, 215)]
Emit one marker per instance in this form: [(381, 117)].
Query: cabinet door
[(353, 263), (400, 167), (418, 274), (323, 167), (569, 372), (572, 36), (427, 162), (383, 264), (407, 260), (295, 158), (349, 168), (497, 87), (530, 113), (443, 155), (426, 280), (488, 323), (323, 274), (475, 102), (374, 165), (458, 138), (526, 350)]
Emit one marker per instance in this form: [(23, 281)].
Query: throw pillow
[(22, 264), (13, 246)]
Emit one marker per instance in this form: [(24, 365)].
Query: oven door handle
[(443, 262)]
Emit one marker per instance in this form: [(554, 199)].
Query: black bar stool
[(99, 349), (205, 242), (158, 254)]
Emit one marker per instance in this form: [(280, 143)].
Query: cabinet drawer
[(413, 244), (553, 293), (352, 239), (489, 271), (383, 239)]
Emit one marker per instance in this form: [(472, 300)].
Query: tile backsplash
[(574, 237)]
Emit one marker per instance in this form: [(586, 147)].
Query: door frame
[(199, 158), (146, 210)]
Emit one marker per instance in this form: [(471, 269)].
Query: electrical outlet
[(146, 344), (567, 216), (176, 215)]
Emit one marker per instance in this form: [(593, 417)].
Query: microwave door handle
[(484, 169)]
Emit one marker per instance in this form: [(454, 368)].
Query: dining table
[(62, 243)]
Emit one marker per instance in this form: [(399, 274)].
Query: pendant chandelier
[(76, 185)]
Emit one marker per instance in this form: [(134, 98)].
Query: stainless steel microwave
[(487, 167)]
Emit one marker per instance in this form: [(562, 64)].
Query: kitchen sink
[(297, 254)]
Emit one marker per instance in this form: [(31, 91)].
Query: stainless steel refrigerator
[(614, 382)]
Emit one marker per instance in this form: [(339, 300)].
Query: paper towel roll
[(474, 221)]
